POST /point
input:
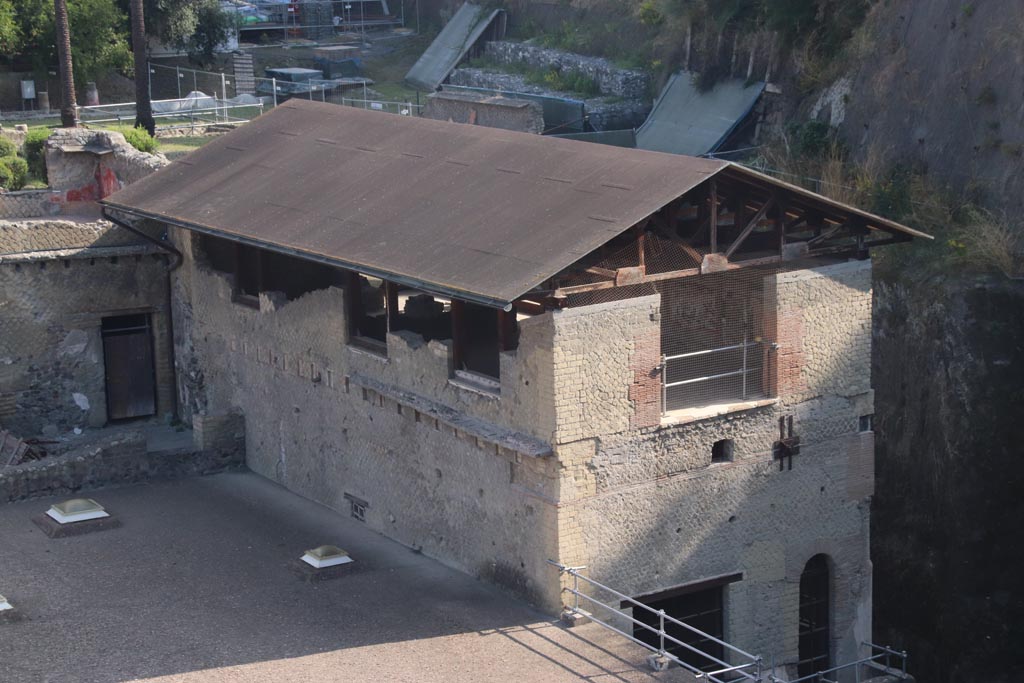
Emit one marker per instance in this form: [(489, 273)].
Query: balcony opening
[(716, 338)]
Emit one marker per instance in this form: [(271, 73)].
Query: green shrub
[(17, 168), (140, 140), (6, 178), (35, 152), (7, 148)]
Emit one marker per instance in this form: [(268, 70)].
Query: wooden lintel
[(602, 272), (749, 228)]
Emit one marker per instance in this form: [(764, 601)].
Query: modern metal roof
[(477, 213), (451, 44), (687, 121)]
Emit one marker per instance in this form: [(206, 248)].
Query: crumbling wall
[(83, 175), (463, 475), (51, 351), (645, 509), (483, 110)]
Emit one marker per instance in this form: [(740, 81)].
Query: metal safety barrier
[(750, 667), (880, 659), (742, 371)]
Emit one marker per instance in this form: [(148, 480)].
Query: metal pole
[(195, 83), (664, 383), (311, 90), (744, 365), (177, 79), (224, 96), (273, 84), (575, 592), (149, 83), (661, 631)]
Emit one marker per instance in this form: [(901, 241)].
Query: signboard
[(28, 90)]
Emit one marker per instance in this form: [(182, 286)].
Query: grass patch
[(176, 148)]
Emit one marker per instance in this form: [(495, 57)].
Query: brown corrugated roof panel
[(476, 212)]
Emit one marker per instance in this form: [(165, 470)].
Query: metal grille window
[(716, 337)]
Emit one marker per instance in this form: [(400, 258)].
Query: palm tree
[(143, 105), (68, 104)]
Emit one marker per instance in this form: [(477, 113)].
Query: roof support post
[(714, 217)]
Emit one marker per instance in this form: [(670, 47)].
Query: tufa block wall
[(643, 507), (459, 474)]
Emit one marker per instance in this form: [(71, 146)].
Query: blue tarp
[(450, 46), (687, 121)]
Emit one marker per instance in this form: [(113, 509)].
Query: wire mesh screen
[(718, 330)]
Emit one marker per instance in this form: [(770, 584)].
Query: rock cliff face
[(949, 380)]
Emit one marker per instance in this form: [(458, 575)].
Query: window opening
[(867, 423), (722, 451), (259, 270), (367, 312), (815, 636), (426, 314), (357, 507), (479, 335), (716, 339)]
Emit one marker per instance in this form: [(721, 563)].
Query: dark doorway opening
[(815, 635), (702, 609), (129, 367)]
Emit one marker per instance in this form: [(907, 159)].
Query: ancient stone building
[(84, 337), (501, 349)]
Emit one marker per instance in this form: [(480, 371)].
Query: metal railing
[(880, 658), (190, 113), (743, 371), (750, 668)]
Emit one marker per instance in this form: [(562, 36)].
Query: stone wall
[(468, 476), (29, 204), (51, 308), (645, 509), (483, 110), (630, 84), (121, 458), (85, 177), (603, 112), (463, 475)]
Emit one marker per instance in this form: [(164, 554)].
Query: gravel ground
[(195, 586)]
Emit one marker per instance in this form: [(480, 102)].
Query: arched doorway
[(815, 610)]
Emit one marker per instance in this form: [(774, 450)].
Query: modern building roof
[(450, 46), (687, 121), (477, 213)]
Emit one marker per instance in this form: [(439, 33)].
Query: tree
[(68, 105), (143, 105), (99, 31), (10, 36), (195, 26)]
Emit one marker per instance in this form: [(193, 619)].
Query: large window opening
[(258, 270), (368, 311), (425, 314), (129, 366), (479, 335), (716, 336), (815, 608)]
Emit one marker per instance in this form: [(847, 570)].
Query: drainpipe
[(178, 260)]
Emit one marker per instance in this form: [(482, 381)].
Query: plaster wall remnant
[(463, 475), (483, 110), (86, 165)]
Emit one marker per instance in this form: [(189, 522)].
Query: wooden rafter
[(749, 228)]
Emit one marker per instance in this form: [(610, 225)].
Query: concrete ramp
[(453, 42), (687, 121)]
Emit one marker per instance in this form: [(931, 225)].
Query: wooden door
[(130, 372)]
